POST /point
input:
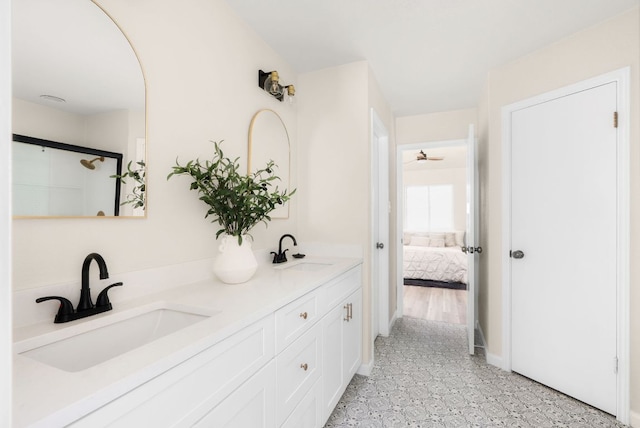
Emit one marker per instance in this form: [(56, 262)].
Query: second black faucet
[(281, 256)]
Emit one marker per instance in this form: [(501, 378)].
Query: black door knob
[(517, 254)]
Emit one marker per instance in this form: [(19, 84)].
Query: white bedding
[(435, 263)]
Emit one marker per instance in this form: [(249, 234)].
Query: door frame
[(400, 213), (380, 320), (6, 291), (622, 78)]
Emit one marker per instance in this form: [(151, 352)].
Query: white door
[(563, 243), (473, 247), (380, 220)]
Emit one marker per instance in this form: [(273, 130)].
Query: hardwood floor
[(435, 304)]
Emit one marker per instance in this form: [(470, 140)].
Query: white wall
[(335, 159), (39, 121), (200, 63), (606, 47), (447, 125), (334, 164)]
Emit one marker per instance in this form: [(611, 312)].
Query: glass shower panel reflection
[(54, 182)]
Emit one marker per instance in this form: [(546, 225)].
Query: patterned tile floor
[(423, 377)]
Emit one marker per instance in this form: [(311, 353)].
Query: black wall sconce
[(270, 82)]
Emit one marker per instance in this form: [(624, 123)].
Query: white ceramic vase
[(236, 263)]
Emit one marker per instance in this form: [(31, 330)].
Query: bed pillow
[(406, 238), (420, 241), (459, 238), (436, 242), (450, 239)]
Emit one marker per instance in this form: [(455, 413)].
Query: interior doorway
[(436, 222)]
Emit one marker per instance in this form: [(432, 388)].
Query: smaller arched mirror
[(269, 140)]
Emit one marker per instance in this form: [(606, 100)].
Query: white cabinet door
[(308, 413), (332, 359), (252, 405), (352, 337), (342, 349)]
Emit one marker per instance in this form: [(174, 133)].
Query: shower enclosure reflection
[(57, 179)]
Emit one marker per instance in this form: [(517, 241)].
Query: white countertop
[(47, 396)]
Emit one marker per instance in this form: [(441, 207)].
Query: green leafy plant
[(237, 201), (138, 195)]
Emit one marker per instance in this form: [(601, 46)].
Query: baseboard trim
[(394, 318), (483, 342), (365, 369), (634, 419), (492, 359)]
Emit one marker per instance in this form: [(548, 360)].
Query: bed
[(435, 257)]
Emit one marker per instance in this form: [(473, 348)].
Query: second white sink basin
[(100, 344), (306, 266)]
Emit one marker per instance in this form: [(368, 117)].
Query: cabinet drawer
[(337, 290), (185, 393), (298, 368), (295, 318)]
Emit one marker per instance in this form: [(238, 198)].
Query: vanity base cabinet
[(251, 405), (342, 350), (287, 370), (182, 395)]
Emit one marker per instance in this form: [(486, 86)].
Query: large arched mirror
[(78, 87), (269, 140)]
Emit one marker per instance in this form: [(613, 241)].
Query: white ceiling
[(427, 55), (72, 50)]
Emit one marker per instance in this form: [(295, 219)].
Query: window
[(429, 208)]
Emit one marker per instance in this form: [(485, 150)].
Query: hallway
[(423, 377)]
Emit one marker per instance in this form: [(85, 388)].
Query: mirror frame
[(76, 149), (250, 150)]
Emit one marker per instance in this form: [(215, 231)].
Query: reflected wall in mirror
[(76, 79), (269, 140), (58, 179)]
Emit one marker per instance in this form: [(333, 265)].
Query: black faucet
[(85, 307), (281, 257)]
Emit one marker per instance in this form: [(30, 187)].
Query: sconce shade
[(272, 85), (270, 82)]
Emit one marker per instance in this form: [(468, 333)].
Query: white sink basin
[(81, 351), (306, 266)]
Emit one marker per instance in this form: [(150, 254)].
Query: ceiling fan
[(422, 157)]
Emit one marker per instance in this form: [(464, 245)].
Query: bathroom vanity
[(277, 351)]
